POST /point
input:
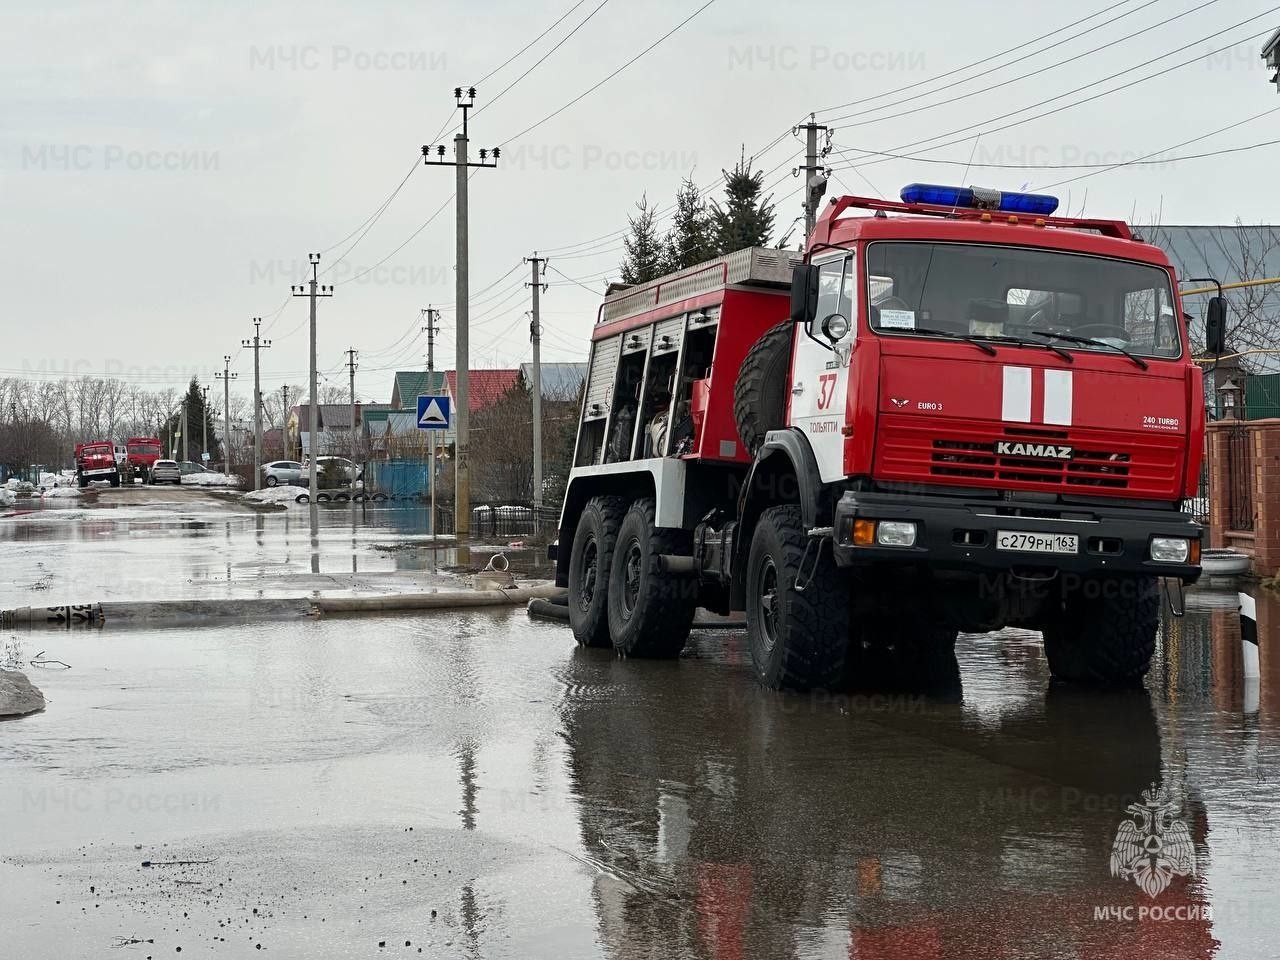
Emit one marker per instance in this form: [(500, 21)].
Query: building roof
[(560, 381), (487, 386), (411, 384)]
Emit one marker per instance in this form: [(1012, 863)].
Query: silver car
[(281, 471), (166, 471)]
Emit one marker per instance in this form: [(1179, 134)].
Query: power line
[(975, 63), (1020, 77), (374, 219), (1076, 103), (542, 59), (564, 16), (610, 76)]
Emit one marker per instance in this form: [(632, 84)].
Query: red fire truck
[(141, 455), (956, 412), (97, 461)]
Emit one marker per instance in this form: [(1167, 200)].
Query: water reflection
[(722, 820)]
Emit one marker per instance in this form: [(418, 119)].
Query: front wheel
[(272, 480), (798, 638), (1104, 632), (589, 564), (650, 610)]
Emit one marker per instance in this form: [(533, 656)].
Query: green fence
[(1262, 396)]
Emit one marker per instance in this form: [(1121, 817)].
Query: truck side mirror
[(1215, 325), (804, 293)]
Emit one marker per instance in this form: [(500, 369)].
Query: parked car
[(281, 471), (190, 466), (166, 471), (336, 471)]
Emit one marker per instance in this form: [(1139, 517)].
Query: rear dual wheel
[(589, 565), (650, 609)]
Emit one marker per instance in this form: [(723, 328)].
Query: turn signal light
[(864, 532)]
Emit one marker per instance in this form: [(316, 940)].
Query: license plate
[(1037, 542)]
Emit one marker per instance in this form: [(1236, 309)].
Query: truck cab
[(96, 461), (969, 414)]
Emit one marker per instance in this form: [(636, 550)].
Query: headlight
[(1170, 549), (835, 326), (896, 533)]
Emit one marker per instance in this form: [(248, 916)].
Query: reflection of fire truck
[(976, 415), (141, 454), (728, 826), (97, 461)]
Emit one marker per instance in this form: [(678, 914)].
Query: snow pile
[(56, 492), (67, 478), (7, 497), (284, 495), (210, 480), (19, 487)]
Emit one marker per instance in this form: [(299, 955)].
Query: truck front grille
[(1102, 462)]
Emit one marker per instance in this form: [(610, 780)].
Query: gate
[(1239, 479)]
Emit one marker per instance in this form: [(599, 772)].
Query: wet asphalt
[(470, 784)]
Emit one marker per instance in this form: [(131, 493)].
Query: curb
[(444, 600)]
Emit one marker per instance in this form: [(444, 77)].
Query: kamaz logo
[(1044, 451)]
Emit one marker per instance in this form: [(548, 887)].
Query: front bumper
[(959, 533)]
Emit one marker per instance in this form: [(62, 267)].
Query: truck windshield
[(998, 292)]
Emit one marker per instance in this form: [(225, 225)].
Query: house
[(333, 427)]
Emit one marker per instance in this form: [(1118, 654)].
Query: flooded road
[(470, 784)]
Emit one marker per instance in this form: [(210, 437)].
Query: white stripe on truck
[(1057, 397), (1015, 403)]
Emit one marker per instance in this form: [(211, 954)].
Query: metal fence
[(1239, 479)]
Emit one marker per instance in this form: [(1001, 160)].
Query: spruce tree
[(644, 251), (689, 240), (198, 420), (746, 219)]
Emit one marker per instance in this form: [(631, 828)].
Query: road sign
[(433, 413), (204, 457)]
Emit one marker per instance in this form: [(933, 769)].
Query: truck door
[(820, 368)]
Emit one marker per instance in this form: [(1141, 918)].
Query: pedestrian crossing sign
[(433, 413)]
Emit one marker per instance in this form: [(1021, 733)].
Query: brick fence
[(1244, 489)]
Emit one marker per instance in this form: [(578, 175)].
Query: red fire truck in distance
[(96, 461), (957, 412), (142, 454)]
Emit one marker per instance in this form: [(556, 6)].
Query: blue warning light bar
[(979, 198)]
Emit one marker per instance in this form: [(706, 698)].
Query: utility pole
[(355, 417), (186, 430), (462, 402), (535, 338), (432, 316), (313, 290), (284, 421), (257, 344), (226, 376), (204, 424), (815, 174)]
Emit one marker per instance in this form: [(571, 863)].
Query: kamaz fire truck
[(953, 413)]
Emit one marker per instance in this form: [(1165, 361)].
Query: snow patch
[(210, 480), (60, 492), (7, 497), (285, 495)]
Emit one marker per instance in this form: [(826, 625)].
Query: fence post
[(1265, 437)]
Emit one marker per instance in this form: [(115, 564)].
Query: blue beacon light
[(979, 198)]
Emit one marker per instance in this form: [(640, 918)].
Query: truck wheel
[(1105, 636), (650, 611), (760, 392), (798, 639), (589, 565)]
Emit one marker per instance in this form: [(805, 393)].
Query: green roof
[(411, 384)]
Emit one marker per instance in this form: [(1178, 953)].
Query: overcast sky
[(165, 168)]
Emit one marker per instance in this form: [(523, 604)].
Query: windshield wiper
[(1023, 342), (1090, 342), (950, 335)]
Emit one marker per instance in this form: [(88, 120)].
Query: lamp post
[(1232, 405)]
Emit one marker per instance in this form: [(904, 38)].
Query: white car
[(166, 471)]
